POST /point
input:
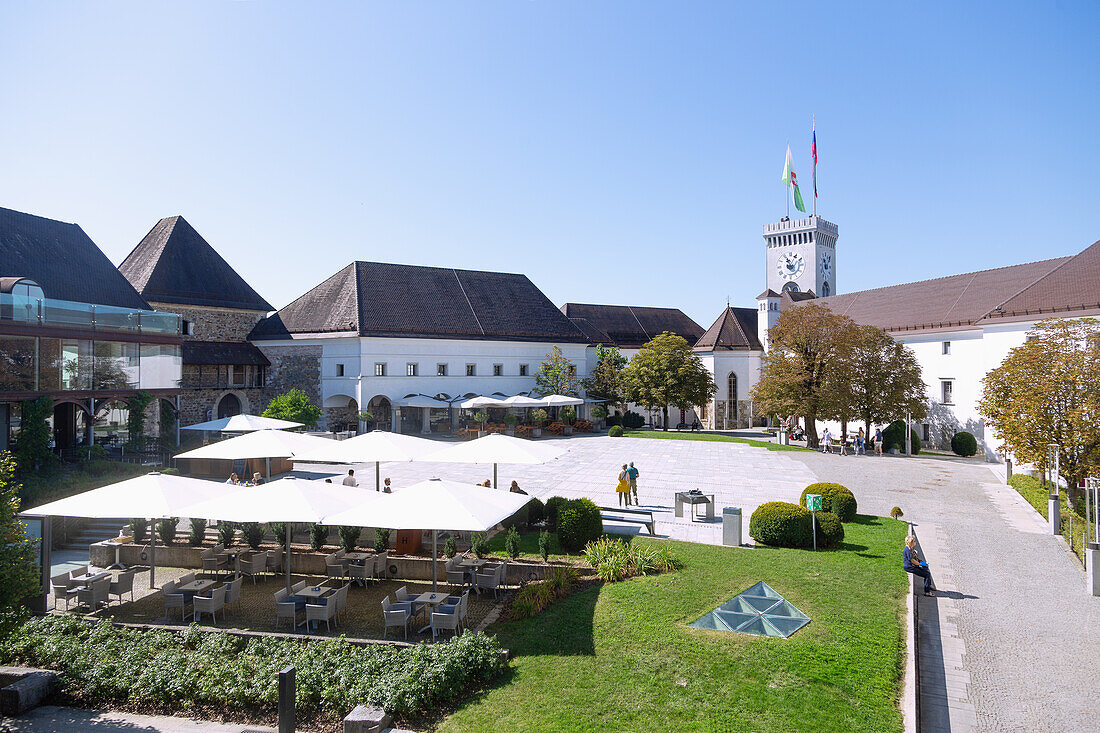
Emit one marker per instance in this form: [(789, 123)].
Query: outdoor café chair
[(298, 586), (326, 613), (487, 581), (253, 566), (444, 622), (59, 585), (213, 562), (285, 608), (335, 569), (186, 579), (456, 578), (361, 573), (123, 584), (211, 605), (172, 599), (402, 596), (77, 572), (95, 593), (380, 562), (233, 593), (341, 596), (395, 616)]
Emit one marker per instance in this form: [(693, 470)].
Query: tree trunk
[(664, 415), (843, 427), (811, 431)]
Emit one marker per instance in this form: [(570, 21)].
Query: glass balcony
[(52, 312)]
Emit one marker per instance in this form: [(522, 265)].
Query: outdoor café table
[(431, 600), (311, 593), (358, 557), (197, 588), (470, 566), (117, 542), (86, 578), (686, 497)]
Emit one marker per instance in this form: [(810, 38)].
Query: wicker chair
[(395, 616), (123, 584), (211, 605)]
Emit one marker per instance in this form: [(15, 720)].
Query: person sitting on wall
[(515, 489), (386, 489), (911, 562)]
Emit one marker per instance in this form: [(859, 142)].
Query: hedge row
[(834, 498), (781, 524)]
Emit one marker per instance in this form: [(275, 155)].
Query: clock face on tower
[(826, 265), (790, 265)]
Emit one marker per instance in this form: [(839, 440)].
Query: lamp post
[(1092, 535), (1054, 509)]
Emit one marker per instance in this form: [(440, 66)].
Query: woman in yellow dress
[(623, 487)]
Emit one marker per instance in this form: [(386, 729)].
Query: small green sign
[(813, 502)]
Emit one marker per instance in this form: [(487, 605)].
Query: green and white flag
[(790, 179)]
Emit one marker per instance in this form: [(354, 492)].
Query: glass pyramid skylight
[(759, 610)]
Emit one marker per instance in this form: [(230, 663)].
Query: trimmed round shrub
[(579, 523), (536, 512), (615, 431), (834, 498), (781, 524), (964, 444), (894, 437), (830, 530), (632, 420), (553, 506)]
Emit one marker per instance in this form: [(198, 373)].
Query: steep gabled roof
[(380, 299), (1071, 286), (734, 329), (174, 264), (222, 353), (629, 326), (63, 260), (946, 302)]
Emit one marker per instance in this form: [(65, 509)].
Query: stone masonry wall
[(215, 324), (292, 367), (195, 403)]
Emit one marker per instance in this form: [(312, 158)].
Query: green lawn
[(662, 435), (621, 657)]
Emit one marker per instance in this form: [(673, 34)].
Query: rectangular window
[(946, 348), (498, 370), (339, 370), (926, 432), (411, 369), (161, 366), (471, 370), (379, 369), (237, 379), (523, 370), (440, 370), (18, 364), (76, 364), (947, 388)]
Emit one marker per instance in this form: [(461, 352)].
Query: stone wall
[(292, 367), (215, 324), (721, 421), (194, 403), (341, 416)]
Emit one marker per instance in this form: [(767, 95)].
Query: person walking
[(861, 443), (878, 442), (350, 479), (623, 487), (827, 441), (632, 477), (911, 563)]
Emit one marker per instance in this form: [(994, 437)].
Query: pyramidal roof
[(174, 264), (735, 328)]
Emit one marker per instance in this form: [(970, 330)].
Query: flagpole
[(813, 127), (788, 187)]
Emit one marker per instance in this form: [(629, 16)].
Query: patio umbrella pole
[(495, 486), (377, 475), (268, 461), (153, 556), (434, 563), (289, 531)]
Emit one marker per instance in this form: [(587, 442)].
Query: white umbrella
[(424, 401), (560, 400), (377, 447), (243, 424), (481, 401), (259, 444), (152, 496), (496, 449), (524, 401), (287, 500), (436, 505)]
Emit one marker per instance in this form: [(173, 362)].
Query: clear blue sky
[(614, 152)]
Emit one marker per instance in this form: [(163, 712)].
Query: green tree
[(294, 406), (32, 448), (557, 375), (18, 555), (794, 376), (1048, 391), (605, 380), (875, 379), (135, 418), (666, 372)]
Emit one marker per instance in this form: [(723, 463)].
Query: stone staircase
[(94, 530)]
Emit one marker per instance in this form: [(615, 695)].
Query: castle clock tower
[(801, 256)]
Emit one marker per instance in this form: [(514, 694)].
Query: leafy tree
[(18, 555), (135, 418), (1048, 391), (32, 449), (874, 378), (557, 375), (294, 406), (794, 376), (605, 380), (666, 372)]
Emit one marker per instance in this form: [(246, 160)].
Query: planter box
[(536, 432), (510, 432), (567, 430)]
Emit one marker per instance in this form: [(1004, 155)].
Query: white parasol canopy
[(435, 504), (243, 424), (481, 401), (377, 447), (152, 496), (259, 444), (524, 401), (424, 401), (496, 449), (560, 400), (287, 500)]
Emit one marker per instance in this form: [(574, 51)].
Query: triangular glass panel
[(784, 608), (710, 621), (760, 603), (732, 619), (738, 604), (786, 625), (755, 626), (761, 589), (759, 611)]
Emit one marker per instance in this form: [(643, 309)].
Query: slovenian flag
[(813, 150), (791, 180)]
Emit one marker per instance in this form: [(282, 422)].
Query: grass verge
[(1073, 529), (710, 437), (620, 657)]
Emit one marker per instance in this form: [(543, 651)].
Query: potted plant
[(482, 417), (538, 417), (600, 413), (567, 415), (367, 418), (510, 421)]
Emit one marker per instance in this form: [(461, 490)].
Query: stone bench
[(22, 688)]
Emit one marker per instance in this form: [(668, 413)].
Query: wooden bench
[(608, 512)]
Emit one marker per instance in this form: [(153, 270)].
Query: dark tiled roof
[(589, 329), (798, 296), (632, 326), (222, 352), (174, 264), (63, 260), (378, 299), (769, 293), (735, 329), (946, 302), (1072, 285)]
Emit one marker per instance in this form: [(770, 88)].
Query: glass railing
[(52, 312)]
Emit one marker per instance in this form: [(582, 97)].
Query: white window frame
[(945, 348), (440, 370), (471, 370), (412, 369), (379, 368), (947, 389), (524, 370), (498, 370), (339, 370)]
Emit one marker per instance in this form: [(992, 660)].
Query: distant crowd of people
[(856, 446), (256, 480)]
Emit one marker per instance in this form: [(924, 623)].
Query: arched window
[(731, 404), (790, 288), (825, 290), (229, 406)]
